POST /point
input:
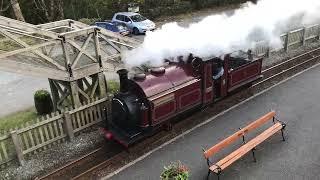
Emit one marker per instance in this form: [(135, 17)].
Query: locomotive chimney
[(123, 76)]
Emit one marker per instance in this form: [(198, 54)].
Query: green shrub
[(113, 86), (175, 171), (43, 102)]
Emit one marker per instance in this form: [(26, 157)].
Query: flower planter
[(175, 171)]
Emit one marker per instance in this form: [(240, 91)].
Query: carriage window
[(240, 58)]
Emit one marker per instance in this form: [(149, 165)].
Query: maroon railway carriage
[(149, 101)]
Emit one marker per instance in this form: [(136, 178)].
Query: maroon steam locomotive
[(151, 100)]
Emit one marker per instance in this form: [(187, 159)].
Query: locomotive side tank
[(148, 101)]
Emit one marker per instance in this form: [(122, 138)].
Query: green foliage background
[(104, 9)]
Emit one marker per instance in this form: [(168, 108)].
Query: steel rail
[(69, 164)]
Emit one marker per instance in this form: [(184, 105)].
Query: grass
[(17, 119), (113, 86), (9, 45)]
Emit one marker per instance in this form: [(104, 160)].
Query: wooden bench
[(219, 166)]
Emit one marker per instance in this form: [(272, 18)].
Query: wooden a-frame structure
[(72, 55)]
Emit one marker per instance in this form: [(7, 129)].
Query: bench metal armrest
[(219, 169), (208, 159), (282, 123)]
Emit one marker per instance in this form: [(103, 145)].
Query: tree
[(52, 9), (16, 10)]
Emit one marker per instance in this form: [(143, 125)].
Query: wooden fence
[(289, 40), (55, 128)]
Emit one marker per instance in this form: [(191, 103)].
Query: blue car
[(116, 27)]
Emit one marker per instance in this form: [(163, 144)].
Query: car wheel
[(135, 31)]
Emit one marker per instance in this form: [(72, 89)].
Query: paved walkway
[(296, 102)]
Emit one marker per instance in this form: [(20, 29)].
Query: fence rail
[(49, 130), (291, 39)]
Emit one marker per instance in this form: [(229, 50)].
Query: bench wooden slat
[(259, 122), (229, 140), (237, 154)]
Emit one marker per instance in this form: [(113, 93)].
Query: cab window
[(237, 59)]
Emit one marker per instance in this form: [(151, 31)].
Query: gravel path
[(54, 157)]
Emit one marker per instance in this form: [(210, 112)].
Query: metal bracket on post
[(70, 23), (18, 147), (62, 38), (96, 30), (67, 125), (70, 70), (100, 61)]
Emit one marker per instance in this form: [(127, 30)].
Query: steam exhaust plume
[(220, 34)]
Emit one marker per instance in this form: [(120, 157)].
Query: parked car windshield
[(138, 18)]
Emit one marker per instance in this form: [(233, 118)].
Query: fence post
[(286, 42), (18, 147), (67, 125), (318, 31), (304, 36), (267, 54)]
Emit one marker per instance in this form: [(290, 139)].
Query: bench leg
[(218, 175), (254, 157), (209, 172), (282, 133)]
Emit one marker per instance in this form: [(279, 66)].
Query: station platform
[(296, 102)]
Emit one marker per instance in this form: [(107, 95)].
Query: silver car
[(135, 22)]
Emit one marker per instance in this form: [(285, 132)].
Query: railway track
[(271, 75), (289, 65)]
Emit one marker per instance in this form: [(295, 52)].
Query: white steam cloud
[(219, 34)]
